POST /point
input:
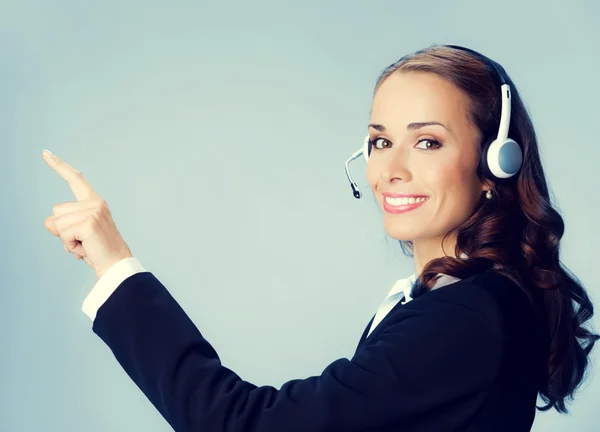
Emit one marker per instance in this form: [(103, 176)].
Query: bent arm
[(436, 361)]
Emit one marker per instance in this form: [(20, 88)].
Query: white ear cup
[(504, 158)]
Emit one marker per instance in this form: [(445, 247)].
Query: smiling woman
[(464, 344), (434, 115)]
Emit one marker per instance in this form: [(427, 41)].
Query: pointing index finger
[(81, 189)]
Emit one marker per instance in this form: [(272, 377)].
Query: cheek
[(442, 176), (457, 186)]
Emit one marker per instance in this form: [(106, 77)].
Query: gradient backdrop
[(217, 132)]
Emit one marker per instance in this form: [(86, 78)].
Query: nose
[(395, 165)]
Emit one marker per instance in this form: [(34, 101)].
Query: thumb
[(77, 250)]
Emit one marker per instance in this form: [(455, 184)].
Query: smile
[(401, 205)]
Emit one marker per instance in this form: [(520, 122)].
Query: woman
[(492, 320)]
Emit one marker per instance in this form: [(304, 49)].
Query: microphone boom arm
[(355, 190)]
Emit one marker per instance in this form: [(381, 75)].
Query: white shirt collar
[(405, 285)]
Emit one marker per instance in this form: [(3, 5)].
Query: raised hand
[(85, 226)]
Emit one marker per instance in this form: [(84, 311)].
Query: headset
[(501, 156)]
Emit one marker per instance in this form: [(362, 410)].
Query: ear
[(487, 185)]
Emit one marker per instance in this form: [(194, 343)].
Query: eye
[(429, 144), (379, 143)]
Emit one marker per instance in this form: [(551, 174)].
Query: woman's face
[(413, 158)]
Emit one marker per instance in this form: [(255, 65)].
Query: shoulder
[(468, 328), (461, 323), (469, 307), (485, 290), (488, 296), (478, 291)]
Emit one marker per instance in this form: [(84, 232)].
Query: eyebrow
[(411, 126)]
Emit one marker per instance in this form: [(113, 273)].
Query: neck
[(426, 250)]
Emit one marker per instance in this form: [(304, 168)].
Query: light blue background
[(217, 133)]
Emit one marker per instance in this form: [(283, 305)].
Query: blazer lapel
[(364, 335)]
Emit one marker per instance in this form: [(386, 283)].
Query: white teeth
[(404, 201)]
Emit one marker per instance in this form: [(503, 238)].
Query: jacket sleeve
[(108, 283), (437, 360)]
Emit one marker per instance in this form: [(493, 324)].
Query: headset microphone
[(501, 157), (355, 190)]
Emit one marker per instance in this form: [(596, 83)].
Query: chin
[(401, 234)]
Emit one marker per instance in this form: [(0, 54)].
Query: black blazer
[(462, 357)]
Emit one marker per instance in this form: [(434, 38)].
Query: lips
[(404, 206)]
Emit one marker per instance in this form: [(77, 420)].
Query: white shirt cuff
[(108, 283)]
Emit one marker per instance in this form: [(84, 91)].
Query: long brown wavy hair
[(517, 232)]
